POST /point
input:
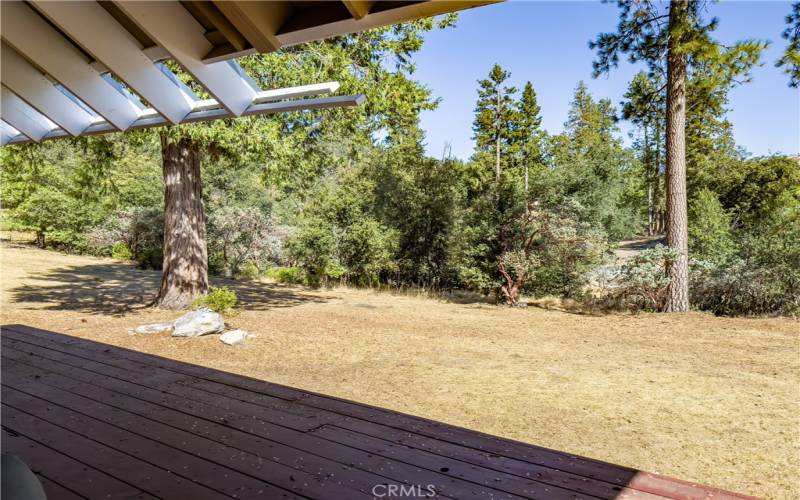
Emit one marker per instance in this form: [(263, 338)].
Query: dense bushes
[(285, 274), (763, 278), (710, 233), (136, 233), (244, 241), (744, 287), (120, 251), (398, 219), (642, 281), (746, 246)]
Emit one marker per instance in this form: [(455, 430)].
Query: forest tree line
[(349, 196)]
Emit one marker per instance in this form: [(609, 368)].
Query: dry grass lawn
[(707, 399)]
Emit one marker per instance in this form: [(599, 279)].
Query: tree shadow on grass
[(118, 288)]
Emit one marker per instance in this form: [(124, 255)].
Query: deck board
[(78, 477), (141, 426), (138, 437), (54, 490)]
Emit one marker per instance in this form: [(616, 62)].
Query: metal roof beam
[(22, 117), (174, 29), (7, 133), (38, 91), (219, 113), (97, 32), (35, 39), (295, 92)]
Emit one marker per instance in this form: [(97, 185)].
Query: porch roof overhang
[(86, 67)]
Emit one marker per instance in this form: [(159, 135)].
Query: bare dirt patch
[(706, 399)]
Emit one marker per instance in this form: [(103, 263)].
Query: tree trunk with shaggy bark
[(677, 217), (185, 274), (513, 285)]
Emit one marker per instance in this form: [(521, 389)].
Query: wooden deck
[(97, 421)]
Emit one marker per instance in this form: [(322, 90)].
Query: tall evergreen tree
[(644, 107), (672, 38), (526, 131), (588, 120), (791, 56), (494, 114), (588, 164)]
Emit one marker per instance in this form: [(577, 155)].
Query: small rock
[(153, 328), (196, 323), (233, 337)]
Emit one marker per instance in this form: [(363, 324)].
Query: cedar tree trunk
[(185, 274), (677, 220)]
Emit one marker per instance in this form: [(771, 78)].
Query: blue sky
[(546, 43)]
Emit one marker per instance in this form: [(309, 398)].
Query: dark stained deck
[(97, 421)]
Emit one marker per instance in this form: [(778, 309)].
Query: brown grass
[(707, 399)]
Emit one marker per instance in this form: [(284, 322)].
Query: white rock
[(233, 337), (196, 323), (153, 328)]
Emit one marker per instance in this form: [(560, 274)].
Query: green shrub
[(286, 274), (312, 246), (334, 271), (745, 288), (710, 238), (140, 229), (219, 299), (643, 280), (764, 279), (367, 248), (120, 251), (248, 271)]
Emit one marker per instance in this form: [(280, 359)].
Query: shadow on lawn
[(117, 288)]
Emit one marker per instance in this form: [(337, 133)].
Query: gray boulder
[(153, 328), (196, 323), (233, 337)]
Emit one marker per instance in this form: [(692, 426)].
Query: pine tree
[(587, 164), (587, 119), (526, 131), (791, 56), (673, 39), (494, 114), (644, 107)]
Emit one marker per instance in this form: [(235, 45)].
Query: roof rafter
[(94, 66), (40, 93), (257, 21), (295, 92), (32, 37), (22, 116), (358, 8), (309, 26), (7, 132), (97, 32), (174, 28), (213, 15)]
